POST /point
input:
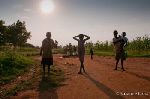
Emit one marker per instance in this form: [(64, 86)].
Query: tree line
[(15, 34), (137, 44)]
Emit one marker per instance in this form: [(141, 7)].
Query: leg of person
[(82, 61), (117, 57), (44, 69), (48, 69), (122, 65), (82, 65), (80, 71), (117, 61), (84, 69), (122, 59)]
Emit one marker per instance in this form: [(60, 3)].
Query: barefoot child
[(46, 52), (81, 49), (91, 53)]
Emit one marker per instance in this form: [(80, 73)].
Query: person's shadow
[(47, 89), (109, 92)]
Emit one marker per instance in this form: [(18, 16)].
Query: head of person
[(48, 34), (81, 36), (115, 33), (123, 34)]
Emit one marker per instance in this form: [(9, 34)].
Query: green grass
[(46, 83), (129, 53), (25, 51), (12, 64), (22, 86)]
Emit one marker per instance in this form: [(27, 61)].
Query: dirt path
[(100, 82)]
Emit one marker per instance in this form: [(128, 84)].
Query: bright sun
[(47, 6)]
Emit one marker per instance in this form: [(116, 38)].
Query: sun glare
[(47, 6)]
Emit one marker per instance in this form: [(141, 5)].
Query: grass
[(22, 86), (130, 53), (12, 64), (46, 83)]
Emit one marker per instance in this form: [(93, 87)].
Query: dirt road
[(100, 81)]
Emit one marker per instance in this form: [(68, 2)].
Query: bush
[(12, 64)]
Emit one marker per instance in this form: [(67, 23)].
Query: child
[(125, 42), (125, 39), (91, 53), (81, 49)]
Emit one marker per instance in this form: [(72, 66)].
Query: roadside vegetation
[(138, 47), (12, 65)]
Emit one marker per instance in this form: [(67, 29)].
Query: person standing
[(81, 49), (118, 45), (91, 53), (46, 52)]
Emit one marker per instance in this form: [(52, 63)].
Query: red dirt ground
[(100, 81)]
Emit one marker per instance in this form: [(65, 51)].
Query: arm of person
[(41, 51), (126, 43), (75, 38), (87, 37), (117, 40), (53, 44)]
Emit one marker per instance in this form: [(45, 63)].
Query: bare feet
[(79, 72)]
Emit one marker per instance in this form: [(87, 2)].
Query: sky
[(95, 18)]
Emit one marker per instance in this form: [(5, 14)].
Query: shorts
[(47, 61)]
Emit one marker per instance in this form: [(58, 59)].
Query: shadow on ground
[(139, 76), (109, 92), (47, 89)]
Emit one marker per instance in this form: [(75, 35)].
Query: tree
[(18, 34), (2, 32)]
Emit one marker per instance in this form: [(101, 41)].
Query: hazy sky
[(96, 18)]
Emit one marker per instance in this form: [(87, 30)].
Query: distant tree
[(28, 45), (2, 32), (18, 34), (89, 45)]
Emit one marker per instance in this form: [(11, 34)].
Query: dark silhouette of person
[(46, 52), (119, 49), (91, 53), (81, 49)]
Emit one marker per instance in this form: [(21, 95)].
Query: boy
[(81, 49), (91, 53), (125, 39)]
